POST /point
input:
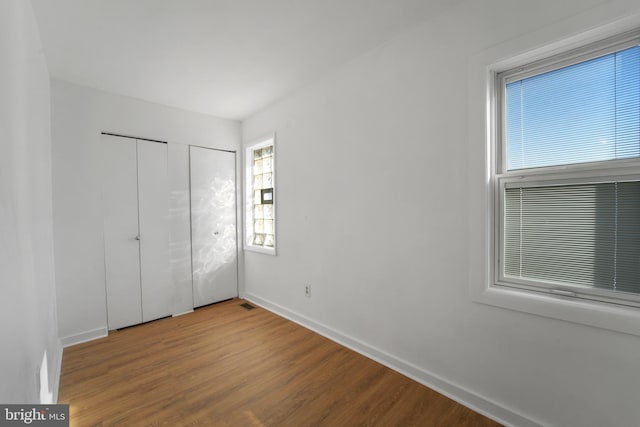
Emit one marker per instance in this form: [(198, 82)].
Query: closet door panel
[(213, 225), (153, 205), (180, 228), (122, 252)]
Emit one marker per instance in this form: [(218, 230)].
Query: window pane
[(257, 182), (258, 212), (628, 103), (585, 112), (269, 241), (628, 237), (266, 164), (267, 181), (268, 211), (258, 239), (257, 167), (585, 235), (268, 226)]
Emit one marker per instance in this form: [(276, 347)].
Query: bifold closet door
[(213, 225), (153, 216), (121, 244), (136, 229)]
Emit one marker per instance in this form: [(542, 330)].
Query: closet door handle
[(137, 237)]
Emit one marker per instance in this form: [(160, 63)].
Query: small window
[(567, 196), (260, 219)]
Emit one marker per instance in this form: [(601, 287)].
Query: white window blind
[(584, 235), (585, 112), (564, 225)]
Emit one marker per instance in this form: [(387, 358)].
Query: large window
[(567, 195), (260, 219)]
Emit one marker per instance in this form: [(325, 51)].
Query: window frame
[(248, 206), (586, 173)]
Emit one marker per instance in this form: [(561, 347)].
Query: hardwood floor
[(225, 366)]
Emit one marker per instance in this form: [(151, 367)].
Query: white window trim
[(247, 156), (484, 68)]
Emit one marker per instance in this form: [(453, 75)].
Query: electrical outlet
[(307, 291)]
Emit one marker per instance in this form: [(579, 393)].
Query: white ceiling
[(228, 58)]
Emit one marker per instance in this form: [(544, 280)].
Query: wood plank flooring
[(226, 366)]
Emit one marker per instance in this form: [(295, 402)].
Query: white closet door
[(180, 228), (213, 225), (153, 210), (122, 253)]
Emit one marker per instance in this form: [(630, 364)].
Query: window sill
[(261, 250), (601, 315)]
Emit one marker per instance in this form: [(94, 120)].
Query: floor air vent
[(247, 306)]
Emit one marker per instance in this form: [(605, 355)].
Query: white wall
[(378, 175), (27, 290), (79, 115)]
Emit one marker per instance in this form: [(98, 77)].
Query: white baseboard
[(57, 372), (84, 337), (458, 393), (182, 313)]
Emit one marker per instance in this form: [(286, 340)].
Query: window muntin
[(260, 196), (567, 200)]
